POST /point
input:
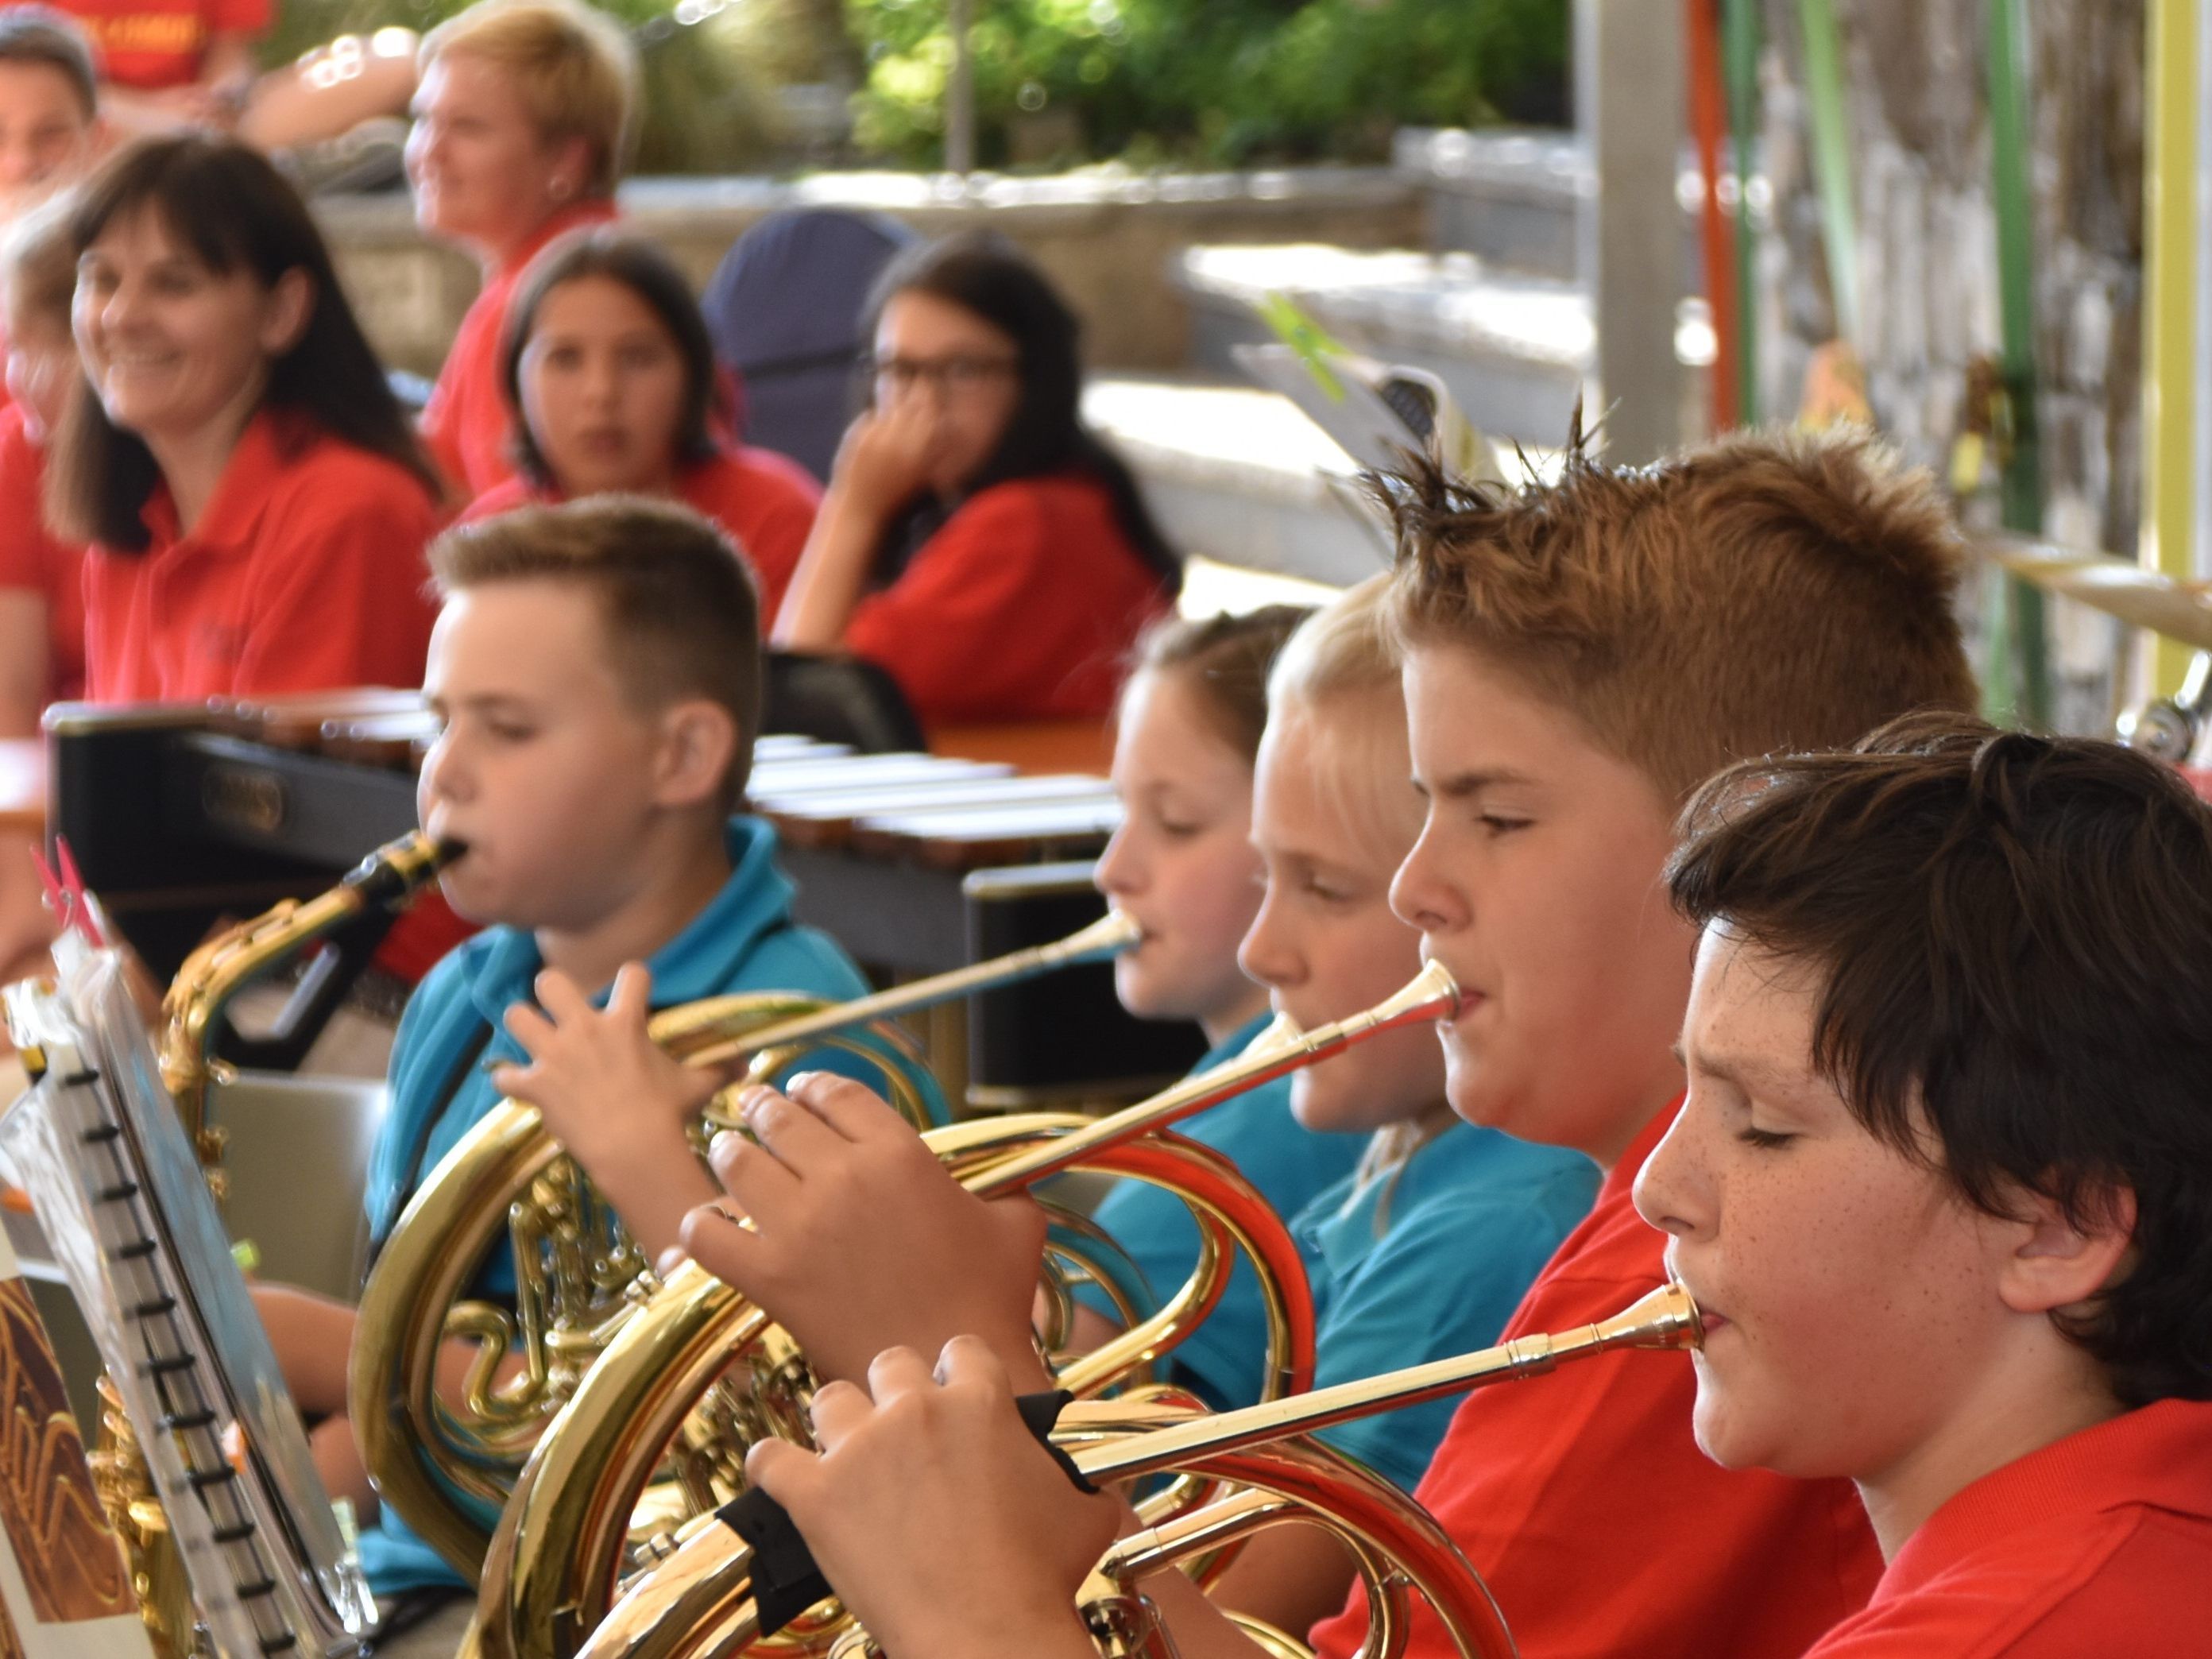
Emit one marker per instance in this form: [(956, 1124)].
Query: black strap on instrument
[(787, 1581)]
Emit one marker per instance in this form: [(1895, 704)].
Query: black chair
[(784, 310), (839, 700)]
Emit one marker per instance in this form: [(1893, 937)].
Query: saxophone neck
[(215, 973)]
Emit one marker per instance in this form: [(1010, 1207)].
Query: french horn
[(449, 1471), (562, 1543), (700, 1602)]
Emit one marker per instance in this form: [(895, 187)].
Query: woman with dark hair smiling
[(255, 502), (977, 540), (608, 360)]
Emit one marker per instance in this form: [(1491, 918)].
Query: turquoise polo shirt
[(743, 940), (1428, 1261), (1223, 1358)]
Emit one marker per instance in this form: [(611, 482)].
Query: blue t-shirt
[(1223, 1359), (1471, 1218), (743, 940)]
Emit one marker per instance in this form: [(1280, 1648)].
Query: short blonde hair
[(1338, 677), (1347, 646), (575, 69), (682, 617), (38, 264)]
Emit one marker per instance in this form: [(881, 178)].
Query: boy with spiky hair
[(1943, 1182), (1578, 656)]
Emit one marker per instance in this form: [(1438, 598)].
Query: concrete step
[(1512, 349), (1512, 195)]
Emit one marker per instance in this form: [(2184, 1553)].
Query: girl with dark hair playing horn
[(608, 362), (977, 540), (255, 502)]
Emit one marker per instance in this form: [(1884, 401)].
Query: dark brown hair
[(42, 35), (683, 619), (1224, 659), (638, 265), (223, 203), (1767, 592), (2016, 937)]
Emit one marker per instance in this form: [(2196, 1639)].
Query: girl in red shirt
[(522, 122), (256, 505), (609, 361), (976, 540)]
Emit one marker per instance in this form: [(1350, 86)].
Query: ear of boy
[(697, 745), (2059, 1264)]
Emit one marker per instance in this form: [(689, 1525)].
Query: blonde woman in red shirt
[(523, 122)]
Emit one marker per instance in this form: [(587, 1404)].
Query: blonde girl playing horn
[(1420, 1252), (1182, 866)]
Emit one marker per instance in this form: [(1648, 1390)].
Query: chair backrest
[(298, 1156), (839, 700), (784, 310)]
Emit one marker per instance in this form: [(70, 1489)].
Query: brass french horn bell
[(698, 1603), (560, 1543)]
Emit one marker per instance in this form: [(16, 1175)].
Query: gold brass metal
[(696, 1603), (214, 975), (555, 1559), (448, 1472)]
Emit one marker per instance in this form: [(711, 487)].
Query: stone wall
[(1107, 238), (1918, 113)]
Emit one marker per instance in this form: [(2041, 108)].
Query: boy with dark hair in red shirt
[(1578, 656), (1943, 1180)]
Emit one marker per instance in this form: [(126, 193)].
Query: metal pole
[(960, 91), (1628, 98), (2174, 376), (2022, 482)]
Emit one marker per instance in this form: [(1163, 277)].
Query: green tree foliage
[(1232, 82), (1228, 81)]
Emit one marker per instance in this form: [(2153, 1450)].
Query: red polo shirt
[(468, 417), (1586, 1506), (154, 44), (1022, 607), (32, 560), (764, 501), (305, 572), (2100, 1543)]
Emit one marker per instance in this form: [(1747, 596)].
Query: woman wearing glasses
[(976, 540)]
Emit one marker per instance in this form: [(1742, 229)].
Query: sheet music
[(126, 1213)]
